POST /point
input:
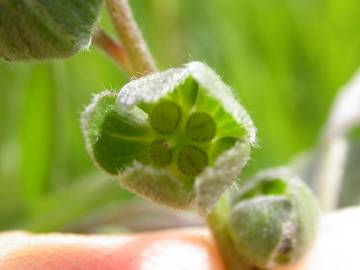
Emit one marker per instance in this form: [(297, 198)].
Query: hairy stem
[(113, 50), (217, 221), (131, 37)]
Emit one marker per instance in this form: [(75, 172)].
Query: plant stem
[(217, 221), (334, 147), (131, 37), (112, 49), (330, 172)]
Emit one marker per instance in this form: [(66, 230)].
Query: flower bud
[(270, 221)]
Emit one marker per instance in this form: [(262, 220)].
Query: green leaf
[(177, 137), (43, 29)]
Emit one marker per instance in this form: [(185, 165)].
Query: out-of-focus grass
[(285, 58)]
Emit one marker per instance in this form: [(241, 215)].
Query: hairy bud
[(270, 221), (177, 137)]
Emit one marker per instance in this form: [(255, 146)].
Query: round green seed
[(191, 160), (165, 117), (160, 153), (200, 127)]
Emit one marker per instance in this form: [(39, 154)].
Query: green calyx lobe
[(115, 138), (270, 221), (43, 29)]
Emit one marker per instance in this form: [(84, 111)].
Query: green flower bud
[(42, 29), (270, 221), (177, 137)]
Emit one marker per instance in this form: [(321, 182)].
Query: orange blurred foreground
[(336, 248)]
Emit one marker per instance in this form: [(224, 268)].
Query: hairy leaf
[(43, 29)]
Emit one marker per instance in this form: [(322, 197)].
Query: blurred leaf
[(46, 29), (62, 208), (37, 105)]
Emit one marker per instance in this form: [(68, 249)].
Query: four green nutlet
[(177, 137), (270, 221), (192, 160), (43, 29), (201, 127), (165, 117), (159, 153)]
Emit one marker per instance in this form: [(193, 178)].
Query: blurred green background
[(286, 59)]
